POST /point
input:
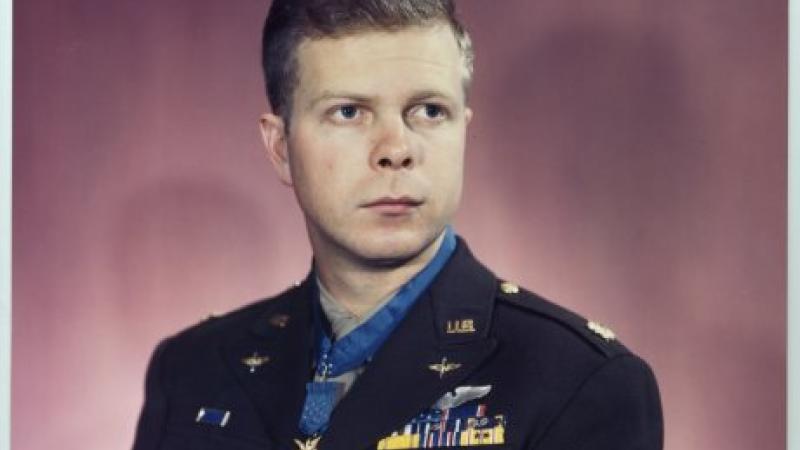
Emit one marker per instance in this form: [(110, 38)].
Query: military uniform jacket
[(553, 383)]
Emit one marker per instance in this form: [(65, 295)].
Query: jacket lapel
[(277, 386), (448, 327)]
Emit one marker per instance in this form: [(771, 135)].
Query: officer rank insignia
[(601, 330), (458, 420)]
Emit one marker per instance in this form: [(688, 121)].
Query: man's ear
[(468, 115), (273, 133)]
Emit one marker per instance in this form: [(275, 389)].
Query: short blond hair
[(289, 22)]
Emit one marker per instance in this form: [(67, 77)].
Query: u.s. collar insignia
[(463, 326), (601, 330), (255, 361)]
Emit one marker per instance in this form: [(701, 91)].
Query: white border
[(5, 222), (793, 274)]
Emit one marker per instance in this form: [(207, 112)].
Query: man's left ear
[(273, 133), (468, 115)]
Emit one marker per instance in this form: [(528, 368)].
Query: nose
[(392, 148)]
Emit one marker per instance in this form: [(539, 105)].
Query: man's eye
[(433, 111), (429, 112), (346, 112)]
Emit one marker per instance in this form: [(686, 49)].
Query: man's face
[(376, 146)]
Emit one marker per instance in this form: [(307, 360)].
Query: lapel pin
[(279, 320), (255, 361), (211, 416), (444, 367)]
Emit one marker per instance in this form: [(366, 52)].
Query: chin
[(390, 249)]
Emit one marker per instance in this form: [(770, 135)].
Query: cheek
[(446, 160), (322, 174), (447, 171), (323, 151), (309, 157)]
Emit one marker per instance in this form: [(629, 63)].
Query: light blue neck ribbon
[(358, 346)]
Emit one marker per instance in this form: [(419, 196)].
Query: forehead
[(373, 63)]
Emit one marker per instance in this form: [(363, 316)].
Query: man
[(398, 338)]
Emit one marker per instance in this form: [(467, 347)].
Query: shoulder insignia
[(509, 288), (597, 335), (601, 330)]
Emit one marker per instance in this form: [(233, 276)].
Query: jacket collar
[(281, 332)]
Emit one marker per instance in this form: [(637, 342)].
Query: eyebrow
[(426, 95), (328, 95), (360, 98)]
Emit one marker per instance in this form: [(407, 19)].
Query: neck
[(359, 286)]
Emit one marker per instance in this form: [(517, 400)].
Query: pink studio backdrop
[(627, 159)]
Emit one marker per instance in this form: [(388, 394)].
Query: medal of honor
[(356, 348)]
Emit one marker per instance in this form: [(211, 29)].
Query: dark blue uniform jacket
[(555, 383)]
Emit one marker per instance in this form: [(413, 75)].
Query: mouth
[(393, 206)]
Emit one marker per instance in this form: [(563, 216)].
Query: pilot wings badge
[(444, 367), (461, 395)]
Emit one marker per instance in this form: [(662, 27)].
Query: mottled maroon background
[(628, 159)]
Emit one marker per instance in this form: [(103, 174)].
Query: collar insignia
[(463, 326)]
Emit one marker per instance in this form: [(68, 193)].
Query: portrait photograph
[(395, 224)]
